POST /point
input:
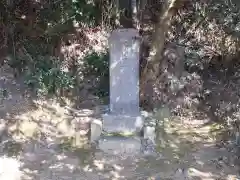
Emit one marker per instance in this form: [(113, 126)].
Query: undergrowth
[(97, 65), (45, 75)]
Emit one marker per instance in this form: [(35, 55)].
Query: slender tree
[(152, 69)]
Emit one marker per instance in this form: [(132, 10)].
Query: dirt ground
[(31, 140)]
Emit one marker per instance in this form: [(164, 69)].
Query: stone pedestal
[(122, 124), (122, 146)]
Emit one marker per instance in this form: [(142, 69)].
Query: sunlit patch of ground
[(10, 169), (192, 147)]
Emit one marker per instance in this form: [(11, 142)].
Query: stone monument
[(123, 121), (124, 115)]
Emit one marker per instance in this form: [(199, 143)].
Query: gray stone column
[(124, 115)]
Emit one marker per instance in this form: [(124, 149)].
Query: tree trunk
[(135, 18), (152, 69), (125, 8)]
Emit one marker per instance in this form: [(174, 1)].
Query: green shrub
[(47, 77), (97, 65)]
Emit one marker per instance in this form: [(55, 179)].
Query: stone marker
[(124, 115)]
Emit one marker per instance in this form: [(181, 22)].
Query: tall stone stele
[(124, 115)]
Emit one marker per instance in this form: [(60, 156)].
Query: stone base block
[(118, 145), (96, 129), (123, 124), (149, 133)]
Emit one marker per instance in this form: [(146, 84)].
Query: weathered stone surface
[(150, 132), (118, 145), (122, 123), (124, 115), (124, 71), (96, 129)]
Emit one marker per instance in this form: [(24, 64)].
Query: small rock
[(148, 147), (30, 157), (96, 129)]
